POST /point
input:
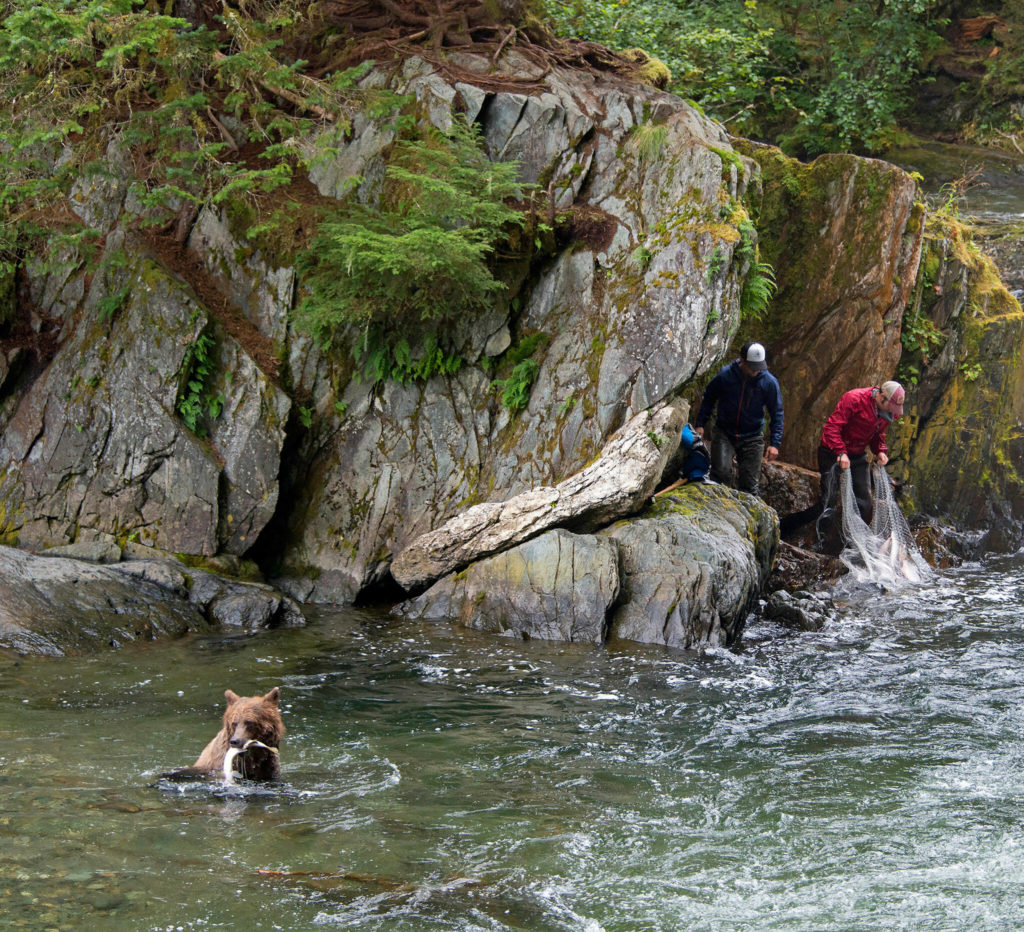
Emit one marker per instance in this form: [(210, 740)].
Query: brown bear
[(249, 738)]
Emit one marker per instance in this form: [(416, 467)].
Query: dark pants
[(747, 451), (860, 473)]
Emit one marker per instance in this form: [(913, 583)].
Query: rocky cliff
[(960, 451), (332, 481), (638, 299)]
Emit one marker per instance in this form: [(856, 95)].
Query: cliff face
[(629, 315), (871, 289), (960, 449), (844, 235), (637, 303), (645, 299)]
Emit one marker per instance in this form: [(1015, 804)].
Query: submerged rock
[(805, 611)]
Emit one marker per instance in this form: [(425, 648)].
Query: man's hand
[(772, 453), (882, 459), (844, 462)]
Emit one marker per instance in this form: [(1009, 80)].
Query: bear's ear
[(231, 696), (272, 696)]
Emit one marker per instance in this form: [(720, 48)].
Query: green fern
[(197, 370), (515, 390), (758, 291)]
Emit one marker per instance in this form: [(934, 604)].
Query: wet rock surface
[(802, 610), (692, 566), (55, 605)]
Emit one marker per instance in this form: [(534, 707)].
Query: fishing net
[(883, 552)]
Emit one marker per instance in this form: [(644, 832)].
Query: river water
[(868, 776)]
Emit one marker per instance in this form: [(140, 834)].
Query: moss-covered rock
[(844, 237), (960, 447), (692, 566)]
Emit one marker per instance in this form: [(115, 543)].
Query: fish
[(231, 753)]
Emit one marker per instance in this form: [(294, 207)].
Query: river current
[(867, 776)]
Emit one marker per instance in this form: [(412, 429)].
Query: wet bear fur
[(245, 718)]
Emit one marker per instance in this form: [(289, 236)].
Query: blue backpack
[(697, 459)]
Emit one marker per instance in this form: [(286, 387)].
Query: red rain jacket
[(855, 425)]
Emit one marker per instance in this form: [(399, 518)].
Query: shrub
[(421, 254)]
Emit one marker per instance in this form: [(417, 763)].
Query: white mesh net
[(883, 552)]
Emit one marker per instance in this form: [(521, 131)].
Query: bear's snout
[(236, 742)]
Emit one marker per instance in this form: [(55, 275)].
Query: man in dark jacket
[(858, 423), (743, 391)]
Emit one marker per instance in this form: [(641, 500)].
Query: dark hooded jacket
[(742, 403)]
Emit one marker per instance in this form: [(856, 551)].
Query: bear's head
[(253, 717)]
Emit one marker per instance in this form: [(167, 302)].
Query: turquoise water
[(868, 776)]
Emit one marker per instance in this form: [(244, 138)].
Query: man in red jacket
[(858, 423)]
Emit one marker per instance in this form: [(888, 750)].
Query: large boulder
[(685, 573), (559, 586), (692, 566), (617, 484), (643, 296)]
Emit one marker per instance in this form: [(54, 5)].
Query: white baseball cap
[(755, 357)]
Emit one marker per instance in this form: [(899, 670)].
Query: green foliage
[(758, 291), (117, 76), (515, 390), (384, 357), (716, 262), (655, 438), (641, 257), (718, 52), (921, 339), (970, 371), (197, 369), (112, 303), (526, 347), (215, 404), (421, 255), (518, 361), (746, 250), (952, 196), (852, 99), (815, 76)]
